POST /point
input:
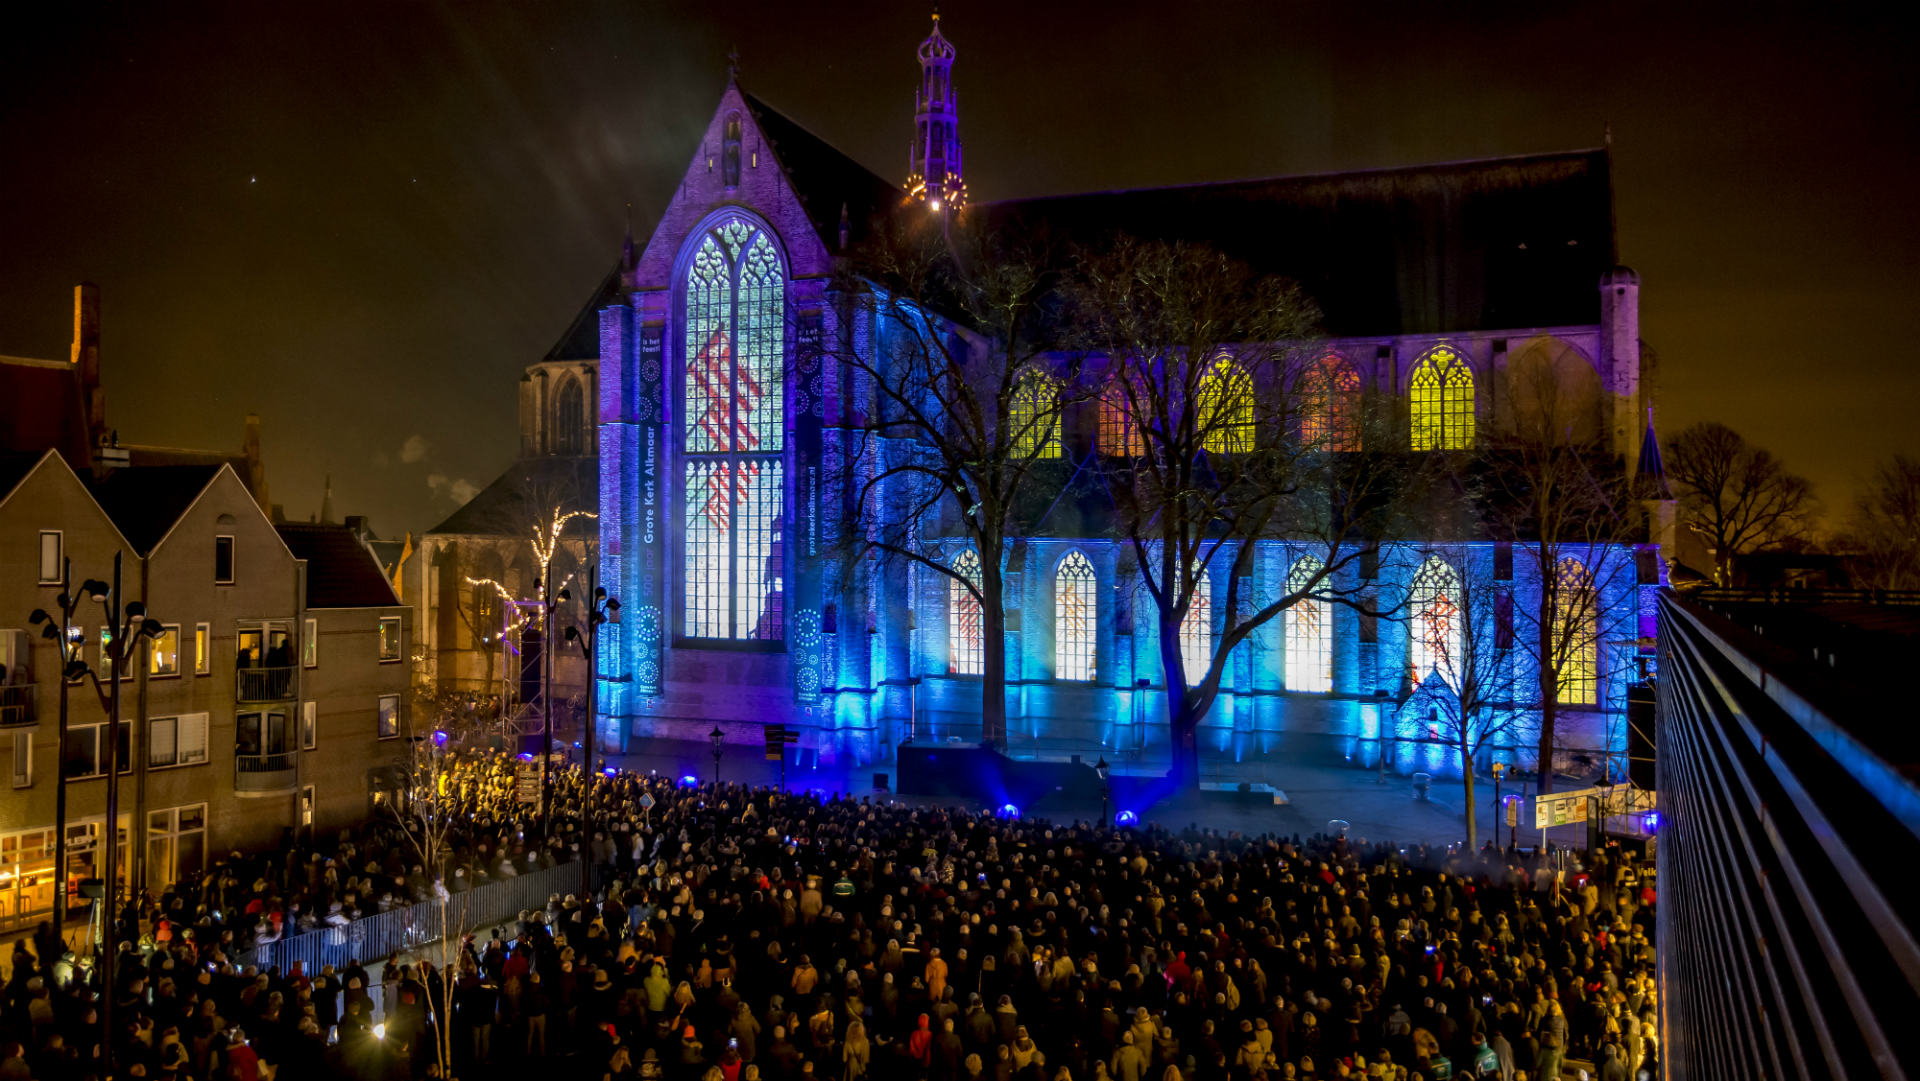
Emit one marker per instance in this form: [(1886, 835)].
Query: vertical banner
[(649, 616), (811, 661)]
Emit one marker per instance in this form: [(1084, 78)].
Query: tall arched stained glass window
[(734, 490), (1309, 645), (1033, 417), (1196, 630), (570, 419), (1119, 435), (966, 633), (1225, 408), (1330, 405), (1442, 398), (1074, 597), (1574, 642), (1434, 634)]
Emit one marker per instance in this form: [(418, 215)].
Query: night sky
[(363, 221)]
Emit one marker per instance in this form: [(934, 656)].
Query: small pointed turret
[(1651, 475)]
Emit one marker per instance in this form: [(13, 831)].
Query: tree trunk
[(993, 653), (1549, 695), (1183, 720), (1466, 773)]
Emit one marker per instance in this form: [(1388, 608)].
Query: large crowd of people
[(750, 934)]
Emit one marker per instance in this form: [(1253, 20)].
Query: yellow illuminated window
[(1576, 646), (202, 649), (1442, 393), (1330, 405), (1034, 417), (1225, 410), (164, 657)]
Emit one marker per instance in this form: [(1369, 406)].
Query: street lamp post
[(601, 609), (717, 737), (1105, 773), (60, 632)]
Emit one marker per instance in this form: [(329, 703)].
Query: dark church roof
[(341, 572), (500, 508), (1503, 243), (145, 502), (42, 405), (826, 179), (582, 338)]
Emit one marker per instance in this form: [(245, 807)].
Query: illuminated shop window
[(1434, 638), (1034, 417), (734, 481), (1309, 646), (1073, 618), (1330, 405), (1196, 630), (1575, 644), (1442, 392), (966, 635), (1226, 408)]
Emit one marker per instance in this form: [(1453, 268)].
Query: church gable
[(743, 160)]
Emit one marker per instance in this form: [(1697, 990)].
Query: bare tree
[(428, 817), (1471, 637), (1883, 533), (1214, 414), (1736, 495), (958, 393), (1557, 493)]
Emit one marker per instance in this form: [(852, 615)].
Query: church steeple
[(934, 172)]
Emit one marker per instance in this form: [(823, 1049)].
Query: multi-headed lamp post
[(127, 626), (601, 610)]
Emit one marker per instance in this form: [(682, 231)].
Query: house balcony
[(17, 705), (263, 774), (263, 684)]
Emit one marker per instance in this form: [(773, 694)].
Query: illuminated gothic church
[(716, 452)]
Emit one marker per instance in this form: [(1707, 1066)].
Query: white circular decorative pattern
[(809, 681), (806, 628), (648, 673), (647, 624)]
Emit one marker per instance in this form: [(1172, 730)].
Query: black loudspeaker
[(1640, 735), (879, 782)]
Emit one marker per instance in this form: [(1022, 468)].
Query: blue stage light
[(1009, 811), (1127, 818), (689, 781)]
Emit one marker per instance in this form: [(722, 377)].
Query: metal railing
[(413, 926), (16, 704), (263, 684)]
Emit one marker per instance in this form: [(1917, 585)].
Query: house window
[(1074, 599), (734, 485), (177, 741), (1309, 646), (163, 654), (1033, 417), (86, 750), (1225, 409), (23, 759), (1434, 637), (1196, 630), (310, 643), (1330, 405), (1442, 393), (389, 638), (51, 565), (176, 843), (966, 634), (202, 649), (389, 716), (1576, 646), (306, 807), (309, 725), (223, 560), (260, 741)]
